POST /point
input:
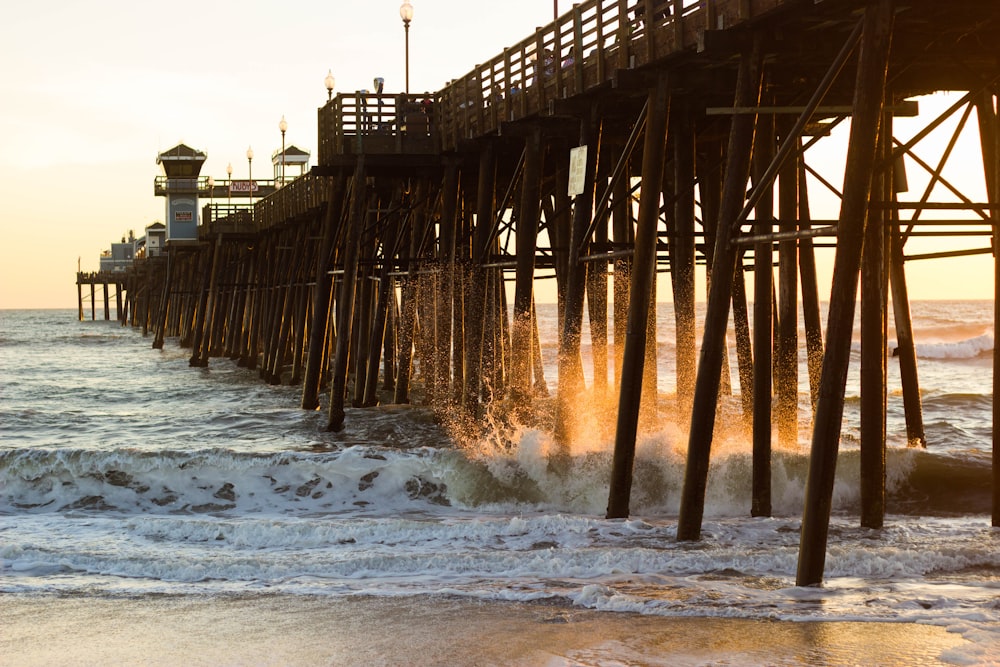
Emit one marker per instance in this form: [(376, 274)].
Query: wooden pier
[(390, 258), (108, 280)]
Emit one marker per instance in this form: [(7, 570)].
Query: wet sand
[(285, 630)]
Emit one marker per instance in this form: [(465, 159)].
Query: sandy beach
[(424, 631)]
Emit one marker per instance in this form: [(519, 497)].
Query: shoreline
[(279, 629)]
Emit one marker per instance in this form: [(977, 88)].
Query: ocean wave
[(915, 570), (954, 350), (387, 479), (969, 348), (215, 480)]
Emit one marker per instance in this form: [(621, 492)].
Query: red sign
[(183, 216), (243, 186)]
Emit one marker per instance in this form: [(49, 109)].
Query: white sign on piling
[(577, 169)]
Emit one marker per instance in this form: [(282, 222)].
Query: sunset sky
[(93, 91)]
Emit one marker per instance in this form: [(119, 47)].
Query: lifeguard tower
[(180, 184), (289, 164)]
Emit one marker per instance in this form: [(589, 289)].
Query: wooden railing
[(579, 52), (302, 196), (218, 189), (363, 122)]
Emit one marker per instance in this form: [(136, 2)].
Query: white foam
[(963, 349)]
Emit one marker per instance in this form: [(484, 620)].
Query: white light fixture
[(330, 82), (406, 13)]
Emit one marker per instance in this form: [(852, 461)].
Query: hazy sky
[(93, 91)]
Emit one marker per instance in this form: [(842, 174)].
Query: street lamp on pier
[(283, 125), (329, 81), (229, 196), (406, 13), (250, 175), (211, 197)]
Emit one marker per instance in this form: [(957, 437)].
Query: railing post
[(577, 50), (540, 73), (624, 35)]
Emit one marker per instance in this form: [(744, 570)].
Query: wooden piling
[(989, 137), (597, 302), (643, 274), (811, 320), (254, 264), (713, 346), (868, 102), (709, 166), (161, 316), (682, 255), (445, 295), (527, 236), (362, 332), (475, 312), (209, 255), (741, 329), (238, 321), (119, 287), (299, 334), (874, 303), (285, 312), (570, 362), (338, 389), (763, 330), (786, 365), (390, 249), (408, 306), (389, 339), (622, 234), (199, 350), (319, 325)]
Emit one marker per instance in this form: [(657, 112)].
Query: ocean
[(126, 474)]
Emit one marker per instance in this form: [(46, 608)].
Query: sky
[(92, 92)]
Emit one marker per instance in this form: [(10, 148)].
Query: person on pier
[(661, 10)]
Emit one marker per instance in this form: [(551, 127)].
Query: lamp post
[(406, 13), (229, 196), (329, 81), (211, 197), (283, 125), (250, 174)]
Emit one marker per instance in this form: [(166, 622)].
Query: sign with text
[(242, 186), (577, 170), (183, 216)]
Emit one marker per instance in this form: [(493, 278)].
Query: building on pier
[(156, 239), (289, 164), (181, 186), (121, 255)]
